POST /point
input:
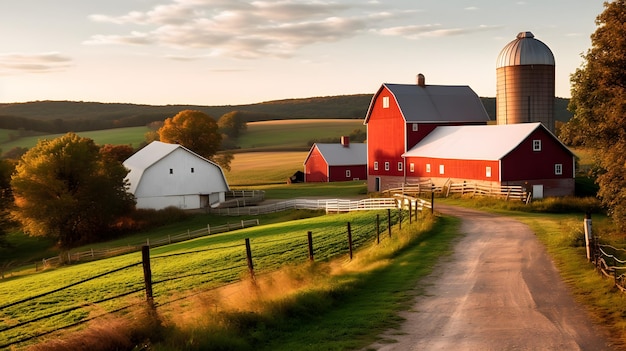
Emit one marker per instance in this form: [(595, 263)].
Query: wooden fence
[(512, 192), (329, 205), (611, 263), (96, 254), (368, 231)]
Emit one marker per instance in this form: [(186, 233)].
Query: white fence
[(95, 254), (328, 205)]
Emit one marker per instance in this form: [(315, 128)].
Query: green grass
[(273, 245), (120, 136), (294, 134)]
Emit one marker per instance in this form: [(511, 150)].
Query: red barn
[(400, 115), (336, 162), (513, 154)]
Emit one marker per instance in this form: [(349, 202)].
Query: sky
[(230, 52)]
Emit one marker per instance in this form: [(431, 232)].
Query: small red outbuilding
[(336, 162)]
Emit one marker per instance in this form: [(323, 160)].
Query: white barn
[(163, 175)]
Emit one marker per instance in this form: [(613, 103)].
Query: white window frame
[(412, 167), (558, 169), (488, 172), (428, 168), (348, 173), (387, 166), (400, 166), (415, 127), (375, 165), (385, 101), (442, 169), (536, 145)]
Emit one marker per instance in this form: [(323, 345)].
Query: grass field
[(295, 134), (200, 263), (120, 136)]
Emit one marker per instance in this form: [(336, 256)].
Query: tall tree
[(599, 106), (232, 124), (67, 190), (196, 131), (6, 198)]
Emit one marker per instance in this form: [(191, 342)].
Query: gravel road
[(498, 291)]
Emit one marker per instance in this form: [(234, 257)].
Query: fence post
[(249, 258), (377, 228), (208, 228), (432, 202), (410, 211), (147, 275), (310, 239), (350, 240), (588, 234), (389, 221)]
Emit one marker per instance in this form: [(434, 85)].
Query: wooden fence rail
[(512, 192), (96, 254)]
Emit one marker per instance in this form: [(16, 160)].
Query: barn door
[(377, 184), (538, 191)]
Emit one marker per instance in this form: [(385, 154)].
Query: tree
[(599, 106), (232, 124), (6, 198), (196, 131), (117, 152), (65, 189)]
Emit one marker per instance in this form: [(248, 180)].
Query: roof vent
[(421, 80), (522, 35)]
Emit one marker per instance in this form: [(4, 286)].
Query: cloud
[(11, 63), (242, 29), (432, 30)]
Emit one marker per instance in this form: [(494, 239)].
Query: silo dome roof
[(525, 50)]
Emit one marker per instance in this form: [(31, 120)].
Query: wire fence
[(168, 276)]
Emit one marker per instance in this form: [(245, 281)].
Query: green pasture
[(119, 136), (200, 263), (294, 134)]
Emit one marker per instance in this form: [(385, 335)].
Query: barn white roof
[(338, 155), (147, 156), (480, 142), (435, 103)]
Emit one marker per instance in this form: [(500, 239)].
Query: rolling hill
[(64, 116)]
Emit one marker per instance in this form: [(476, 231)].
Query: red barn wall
[(385, 136), (315, 167), (524, 164), (465, 169), (338, 173)]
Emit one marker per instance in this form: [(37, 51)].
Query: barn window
[(488, 172), (171, 171), (441, 169), (558, 169), (385, 101), (415, 127), (428, 168), (348, 174), (375, 165), (412, 167), (536, 145), (192, 170), (386, 166), (400, 166)]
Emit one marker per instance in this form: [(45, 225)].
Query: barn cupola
[(345, 141), (421, 80)]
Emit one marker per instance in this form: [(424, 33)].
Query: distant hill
[(63, 116)]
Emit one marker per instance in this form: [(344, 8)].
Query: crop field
[(295, 134), (177, 269), (254, 168)]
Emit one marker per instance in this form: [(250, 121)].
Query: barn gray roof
[(525, 50), (483, 142), (435, 103), (338, 155)]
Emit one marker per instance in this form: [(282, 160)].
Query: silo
[(525, 82)]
